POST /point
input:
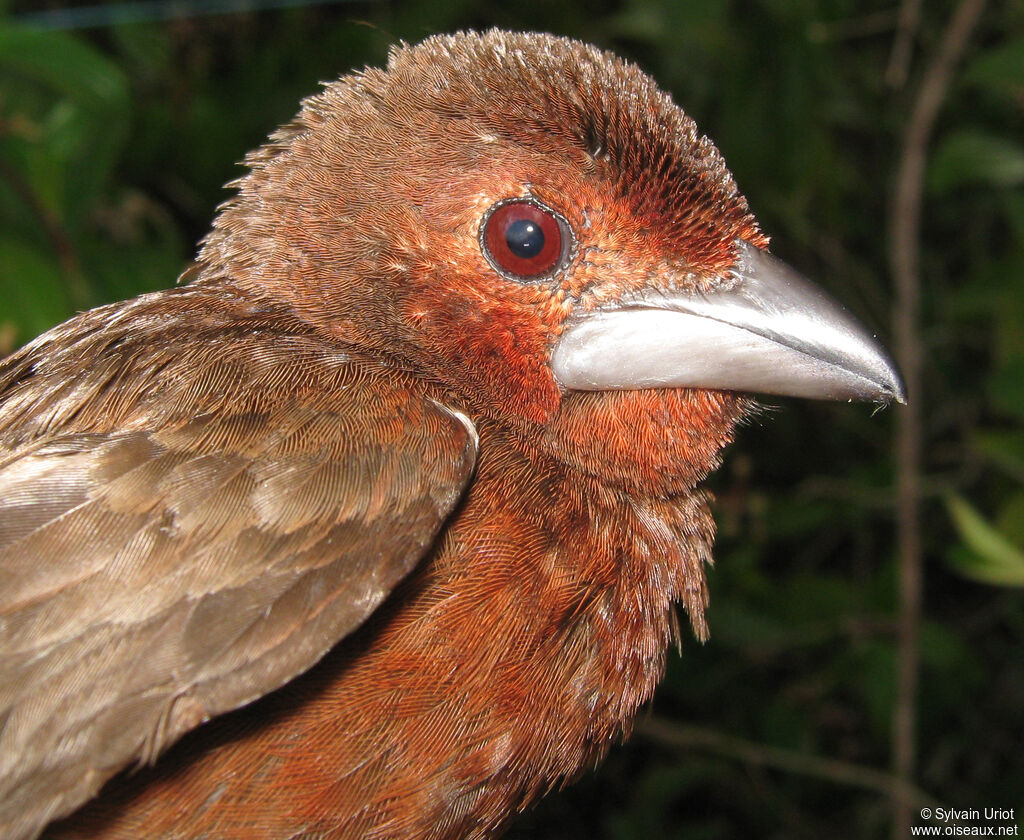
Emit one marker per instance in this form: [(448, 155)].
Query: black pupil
[(525, 239)]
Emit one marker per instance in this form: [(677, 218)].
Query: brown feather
[(196, 510)]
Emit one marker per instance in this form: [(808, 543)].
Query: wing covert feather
[(194, 507)]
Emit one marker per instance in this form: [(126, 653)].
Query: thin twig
[(905, 224), (680, 736), (902, 45)]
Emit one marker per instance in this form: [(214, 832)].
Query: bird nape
[(414, 451)]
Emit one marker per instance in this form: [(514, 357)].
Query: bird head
[(532, 224)]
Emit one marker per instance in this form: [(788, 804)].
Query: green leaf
[(76, 101), (1003, 447), (1010, 517), (974, 156), (64, 64), (989, 556), (32, 288), (1000, 68), (1005, 383)]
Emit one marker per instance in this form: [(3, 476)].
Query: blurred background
[(867, 622)]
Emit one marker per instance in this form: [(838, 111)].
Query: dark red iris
[(524, 239)]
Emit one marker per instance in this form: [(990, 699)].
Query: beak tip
[(899, 394), (891, 387)]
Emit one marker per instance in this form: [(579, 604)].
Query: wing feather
[(198, 499)]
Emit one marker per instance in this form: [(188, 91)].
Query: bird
[(378, 522)]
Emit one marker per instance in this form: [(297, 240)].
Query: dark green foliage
[(114, 144)]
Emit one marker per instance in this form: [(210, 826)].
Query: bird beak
[(773, 332)]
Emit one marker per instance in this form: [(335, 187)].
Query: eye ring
[(525, 240)]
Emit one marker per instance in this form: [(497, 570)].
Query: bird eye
[(524, 240)]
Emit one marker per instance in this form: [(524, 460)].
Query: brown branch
[(904, 233), (902, 45), (682, 737)]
